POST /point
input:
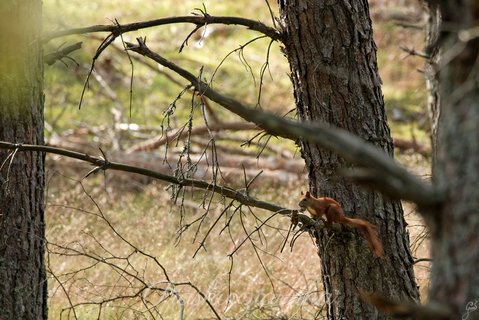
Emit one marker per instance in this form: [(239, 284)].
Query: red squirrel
[(329, 207)]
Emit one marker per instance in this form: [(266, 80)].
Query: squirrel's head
[(304, 201)]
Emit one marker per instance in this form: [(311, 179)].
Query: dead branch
[(283, 153), (275, 168), (271, 172), (414, 52), (101, 163), (155, 142), (383, 173), (198, 20)]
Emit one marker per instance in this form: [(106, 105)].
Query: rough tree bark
[(454, 225), (23, 290), (332, 55)]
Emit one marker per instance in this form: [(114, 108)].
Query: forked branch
[(375, 167)]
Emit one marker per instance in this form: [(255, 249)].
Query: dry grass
[(149, 222)]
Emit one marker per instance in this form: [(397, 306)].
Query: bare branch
[(414, 52), (155, 142), (105, 43), (197, 20), (104, 164), (388, 176)]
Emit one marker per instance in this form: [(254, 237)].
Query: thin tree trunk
[(432, 68), (23, 286), (454, 226), (332, 56)]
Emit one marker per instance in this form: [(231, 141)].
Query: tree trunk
[(23, 286), (432, 68), (454, 226), (332, 56)]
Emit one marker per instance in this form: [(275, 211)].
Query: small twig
[(62, 286), (413, 52), (264, 67), (202, 243), (255, 248), (273, 20), (249, 234), (140, 60), (230, 271), (131, 64), (283, 245), (105, 43), (240, 49), (202, 295), (185, 42), (10, 157)]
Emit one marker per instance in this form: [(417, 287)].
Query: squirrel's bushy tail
[(370, 233)]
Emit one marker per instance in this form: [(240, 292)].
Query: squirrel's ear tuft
[(308, 194)]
